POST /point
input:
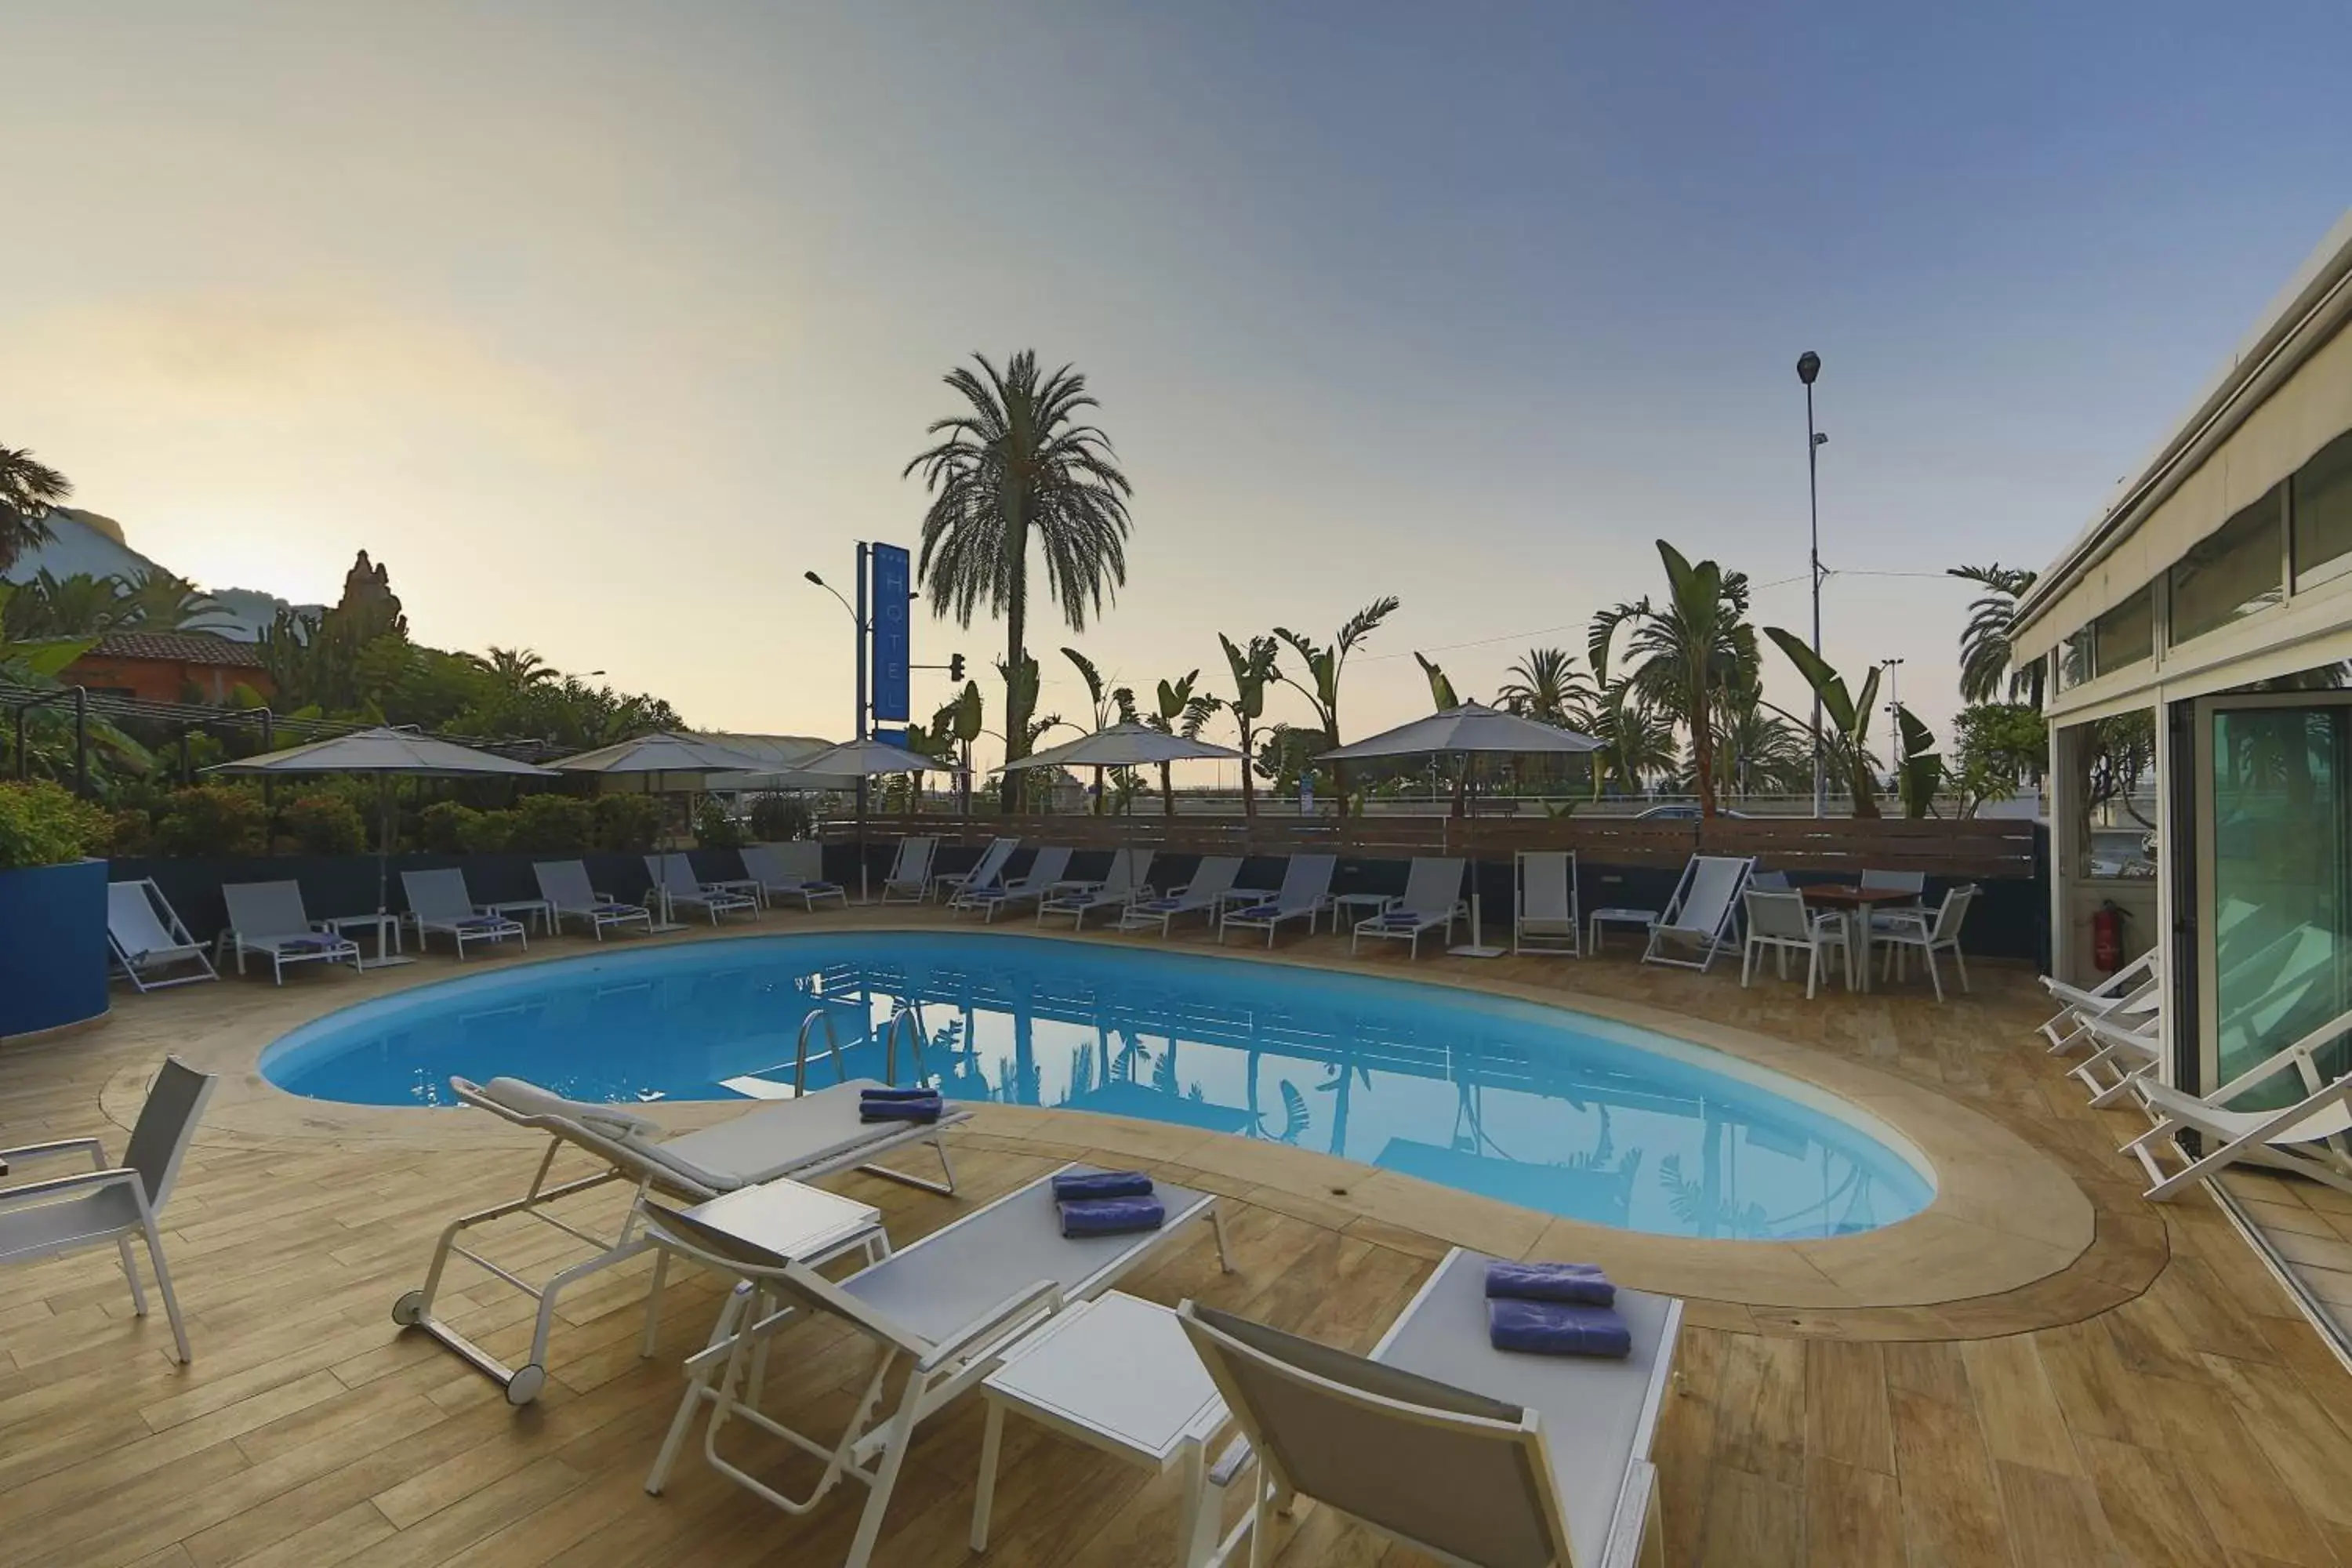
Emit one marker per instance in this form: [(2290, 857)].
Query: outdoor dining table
[(1863, 901)]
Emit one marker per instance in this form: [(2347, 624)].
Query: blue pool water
[(1551, 1109)]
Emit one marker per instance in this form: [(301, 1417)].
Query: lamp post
[(1809, 367), (857, 620), (1894, 699)]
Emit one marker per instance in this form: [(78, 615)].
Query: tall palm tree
[(1253, 670), (1018, 466), (28, 489), (518, 672), (1761, 749), (156, 600), (1324, 667), (79, 605), (1985, 657), (1636, 742), (1545, 684), (1689, 649)]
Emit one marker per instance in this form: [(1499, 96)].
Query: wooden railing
[(1976, 849)]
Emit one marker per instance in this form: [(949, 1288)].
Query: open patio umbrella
[(1125, 746), (1471, 729), (389, 754), (867, 758), (662, 756)]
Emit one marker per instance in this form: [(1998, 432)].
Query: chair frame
[(1165, 909), (1277, 910), (340, 949), (1668, 926), (1081, 902), (1536, 933), (808, 890), (1822, 931), (606, 911), (185, 947), (1900, 930), (950, 886), (2133, 983), (918, 876), (1003, 895), (712, 897), (1423, 920), (2256, 1140), (480, 926)]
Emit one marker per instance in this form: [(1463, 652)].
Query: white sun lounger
[(791, 871), (1126, 885), (565, 885), (1045, 874), (2311, 1137), (1432, 898), (1212, 879), (1545, 919), (948, 1306), (987, 872), (909, 880), (803, 1138), (1305, 893), (438, 902), (676, 884), (1438, 1440), (146, 936), (268, 918), (2124, 990), (1701, 912)]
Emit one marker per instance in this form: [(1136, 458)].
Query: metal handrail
[(800, 1051), (912, 1018)]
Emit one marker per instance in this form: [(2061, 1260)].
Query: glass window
[(2124, 634), (2074, 659), (2232, 573), (2323, 514)]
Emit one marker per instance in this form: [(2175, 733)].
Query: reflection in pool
[(1551, 1109)]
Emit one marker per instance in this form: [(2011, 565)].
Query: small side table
[(1344, 905), (751, 888), (519, 910), (387, 931), (1644, 919), (1117, 1374)]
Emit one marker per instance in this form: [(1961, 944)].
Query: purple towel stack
[(1106, 1203), (1554, 1308), (918, 1105)]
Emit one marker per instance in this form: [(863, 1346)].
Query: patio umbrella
[(389, 754), (859, 759), (661, 756), (1471, 729), (1125, 746)]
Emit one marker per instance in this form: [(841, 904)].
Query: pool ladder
[(907, 1020)]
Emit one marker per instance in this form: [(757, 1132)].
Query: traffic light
[(955, 667)]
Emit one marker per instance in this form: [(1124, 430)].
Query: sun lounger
[(268, 918), (2128, 1050), (1305, 893), (565, 885), (947, 1307), (676, 884), (2311, 1136), (910, 879), (438, 902), (146, 936), (1123, 888), (1441, 1442), (987, 873), (1545, 919), (803, 1138), (2126, 989), (1045, 875), (1699, 917), (1212, 879), (791, 871), (1432, 898)]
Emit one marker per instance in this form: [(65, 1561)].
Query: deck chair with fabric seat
[(2311, 1135), (439, 901), (1912, 882), (794, 870), (2127, 988), (2127, 1049), (1432, 898), (112, 1203), (565, 886), (1442, 1443), (1780, 921), (1698, 919), (1048, 870), (1126, 885), (986, 872), (1213, 881), (268, 918), (146, 936), (675, 883), (909, 880), (1305, 894), (947, 1307), (1544, 918), (1899, 930), (812, 1135)]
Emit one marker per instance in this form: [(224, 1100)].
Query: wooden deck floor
[(2198, 1421)]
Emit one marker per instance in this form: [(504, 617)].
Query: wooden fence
[(1979, 850)]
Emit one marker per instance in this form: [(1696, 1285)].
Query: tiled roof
[(179, 647)]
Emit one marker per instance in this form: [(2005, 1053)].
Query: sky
[(600, 324)]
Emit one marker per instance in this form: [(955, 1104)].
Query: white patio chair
[(268, 918), (146, 936), (439, 901), (1126, 885), (1900, 931), (1701, 912), (565, 885), (1305, 893), (1780, 922), (112, 1203), (987, 872), (1432, 898), (1048, 870), (2311, 1137), (1912, 882), (1545, 919), (675, 883), (794, 870), (909, 880), (1212, 879)]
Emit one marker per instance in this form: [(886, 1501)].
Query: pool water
[(1551, 1109)]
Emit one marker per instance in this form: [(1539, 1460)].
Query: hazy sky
[(599, 324)]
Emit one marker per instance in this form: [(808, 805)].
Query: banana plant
[(1104, 701), (1845, 727), (1253, 670), (1920, 772), (1441, 690), (1182, 711), (1324, 667)]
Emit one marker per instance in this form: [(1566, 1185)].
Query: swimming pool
[(1551, 1109)]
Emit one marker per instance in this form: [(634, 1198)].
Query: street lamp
[(857, 620), (1894, 701), (1809, 367)]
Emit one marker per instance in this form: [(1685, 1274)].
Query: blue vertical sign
[(893, 642)]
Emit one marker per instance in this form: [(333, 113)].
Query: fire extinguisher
[(2107, 938)]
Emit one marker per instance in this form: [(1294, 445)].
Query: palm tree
[(1253, 670), (519, 671), (80, 606), (1763, 751), (1689, 651), (1324, 667), (1546, 686), (28, 489), (1984, 641), (160, 601), (1018, 466), (1182, 711), (1636, 742), (1107, 703)]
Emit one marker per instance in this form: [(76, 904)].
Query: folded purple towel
[(924, 1110), (315, 943), (908, 1093), (1080, 1184), (1579, 1284), (1557, 1328), (1111, 1217)]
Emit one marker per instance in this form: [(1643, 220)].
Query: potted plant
[(52, 908)]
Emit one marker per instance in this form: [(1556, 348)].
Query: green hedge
[(42, 825)]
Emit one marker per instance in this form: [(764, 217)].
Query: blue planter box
[(52, 946)]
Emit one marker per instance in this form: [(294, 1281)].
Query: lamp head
[(813, 578), (1821, 438), (1809, 365)]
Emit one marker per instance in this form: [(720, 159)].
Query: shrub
[(714, 830), (133, 832), (42, 825), (552, 823), (626, 823), (441, 826), (324, 825), (486, 832), (212, 819), (778, 817)]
